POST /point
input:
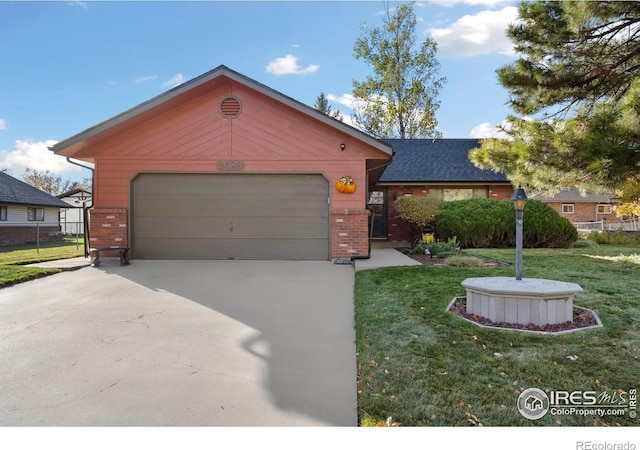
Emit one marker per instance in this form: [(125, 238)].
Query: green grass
[(14, 258), (421, 365)]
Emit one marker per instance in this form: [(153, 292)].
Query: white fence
[(600, 225)]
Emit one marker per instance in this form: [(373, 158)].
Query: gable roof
[(198, 86), (436, 160), (18, 192), (73, 192)]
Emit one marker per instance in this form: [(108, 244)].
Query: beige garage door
[(230, 216)]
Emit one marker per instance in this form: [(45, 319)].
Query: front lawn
[(13, 259), (421, 365)]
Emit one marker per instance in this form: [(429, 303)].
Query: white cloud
[(34, 155), (143, 78), (347, 100), (488, 130), (175, 80), (80, 4), (289, 66), (3, 124), (479, 34)]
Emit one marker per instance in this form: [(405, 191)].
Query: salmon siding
[(187, 132)]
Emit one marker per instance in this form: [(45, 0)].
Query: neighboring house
[(223, 167), (72, 217), (26, 212), (581, 210), (437, 168)]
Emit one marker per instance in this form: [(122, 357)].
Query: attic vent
[(230, 107)]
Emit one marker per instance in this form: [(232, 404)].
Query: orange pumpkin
[(346, 185)]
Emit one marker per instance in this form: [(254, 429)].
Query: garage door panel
[(231, 184), (234, 205), (192, 248), (232, 227), (230, 216)]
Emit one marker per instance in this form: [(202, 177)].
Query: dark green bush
[(483, 223), (477, 223)]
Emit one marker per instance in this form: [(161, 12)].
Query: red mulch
[(581, 319)]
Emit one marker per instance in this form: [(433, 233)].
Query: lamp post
[(519, 199)]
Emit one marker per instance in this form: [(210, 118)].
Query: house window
[(449, 195), (603, 209), (35, 214), (567, 208), (3, 213)]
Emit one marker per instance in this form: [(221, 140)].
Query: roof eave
[(441, 182)]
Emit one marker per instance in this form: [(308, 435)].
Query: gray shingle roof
[(436, 160), (15, 191), (574, 196)]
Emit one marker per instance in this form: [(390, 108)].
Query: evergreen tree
[(578, 70), (322, 104)]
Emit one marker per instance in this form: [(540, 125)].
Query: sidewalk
[(385, 257), (64, 264)]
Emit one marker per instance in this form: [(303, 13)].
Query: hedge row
[(483, 223)]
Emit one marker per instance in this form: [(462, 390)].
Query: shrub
[(583, 243), (438, 249), (418, 249), (444, 249), (484, 223), (464, 261), (417, 211), (478, 223), (544, 227), (613, 238)]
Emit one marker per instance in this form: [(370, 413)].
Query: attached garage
[(230, 216), (224, 167)]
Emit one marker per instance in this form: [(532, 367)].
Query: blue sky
[(66, 66)]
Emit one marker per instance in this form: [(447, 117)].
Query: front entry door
[(378, 204)]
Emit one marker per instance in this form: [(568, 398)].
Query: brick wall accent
[(501, 192), (11, 235), (108, 227), (349, 233)]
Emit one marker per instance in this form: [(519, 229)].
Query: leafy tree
[(578, 69), (400, 99), (629, 197), (52, 184), (322, 104)]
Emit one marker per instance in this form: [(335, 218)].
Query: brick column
[(349, 233), (108, 227)]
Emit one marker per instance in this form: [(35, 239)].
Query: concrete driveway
[(181, 343)]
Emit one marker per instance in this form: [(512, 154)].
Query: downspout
[(366, 196), (85, 209)]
